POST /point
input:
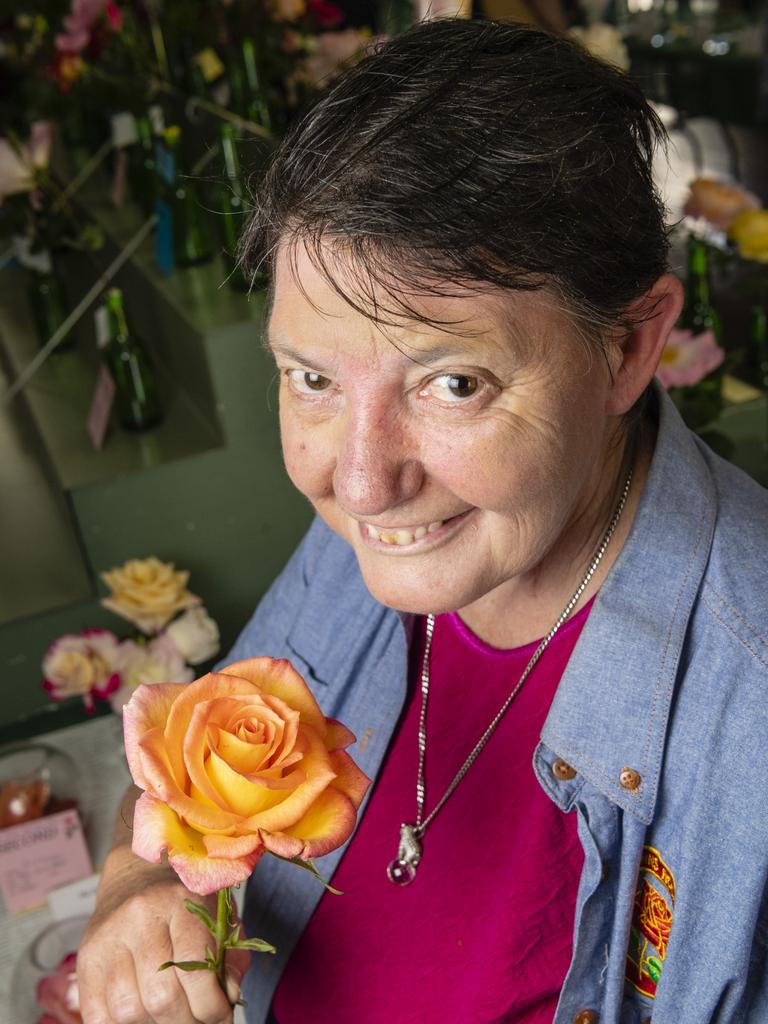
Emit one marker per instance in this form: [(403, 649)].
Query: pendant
[(402, 870)]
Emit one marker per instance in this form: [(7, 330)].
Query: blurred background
[(140, 470)]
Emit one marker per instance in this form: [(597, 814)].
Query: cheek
[(307, 455)]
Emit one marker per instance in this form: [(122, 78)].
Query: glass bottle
[(230, 207), (141, 170), (189, 230), (701, 403), (248, 96), (48, 303), (759, 336), (136, 398)]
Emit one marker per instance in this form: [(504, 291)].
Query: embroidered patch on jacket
[(651, 922)]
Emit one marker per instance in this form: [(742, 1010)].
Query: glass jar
[(35, 780)]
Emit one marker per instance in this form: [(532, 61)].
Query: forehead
[(308, 305)]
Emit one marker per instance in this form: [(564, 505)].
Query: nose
[(377, 465)]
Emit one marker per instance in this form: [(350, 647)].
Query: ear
[(639, 352)]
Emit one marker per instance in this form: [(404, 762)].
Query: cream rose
[(146, 665), (148, 593), (196, 635)]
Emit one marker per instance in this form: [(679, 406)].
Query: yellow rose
[(148, 593), (750, 233), (237, 763)]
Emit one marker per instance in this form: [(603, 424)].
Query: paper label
[(78, 899), (38, 856), (164, 237), (124, 131), (101, 408)]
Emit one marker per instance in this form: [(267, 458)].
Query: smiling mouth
[(406, 536)]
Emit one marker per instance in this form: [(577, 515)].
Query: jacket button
[(630, 779), (586, 1017), (562, 770)]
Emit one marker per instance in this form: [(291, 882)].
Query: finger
[(92, 992), (207, 1001), (237, 964), (162, 996), (122, 997)]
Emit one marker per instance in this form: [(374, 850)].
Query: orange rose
[(239, 762)]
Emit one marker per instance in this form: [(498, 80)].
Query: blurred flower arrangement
[(58, 996), (726, 231), (174, 631)]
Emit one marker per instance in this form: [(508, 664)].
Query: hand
[(140, 922)]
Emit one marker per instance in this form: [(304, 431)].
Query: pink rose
[(82, 665), (58, 996), (688, 358)]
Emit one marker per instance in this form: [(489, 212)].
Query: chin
[(415, 597)]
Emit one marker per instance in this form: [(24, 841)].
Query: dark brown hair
[(473, 153)]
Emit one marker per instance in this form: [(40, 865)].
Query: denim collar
[(612, 706)]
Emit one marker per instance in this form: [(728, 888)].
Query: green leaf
[(186, 965), (259, 945), (202, 913), (233, 936), (653, 965), (309, 865)]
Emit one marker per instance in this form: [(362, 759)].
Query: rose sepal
[(308, 865)]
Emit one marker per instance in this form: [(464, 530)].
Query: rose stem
[(222, 930)]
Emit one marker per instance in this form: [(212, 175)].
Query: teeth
[(400, 538)]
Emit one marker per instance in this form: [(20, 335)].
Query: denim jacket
[(662, 715)]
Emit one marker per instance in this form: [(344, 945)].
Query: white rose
[(196, 635), (159, 661)]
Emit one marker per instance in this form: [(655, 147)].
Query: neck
[(525, 608)]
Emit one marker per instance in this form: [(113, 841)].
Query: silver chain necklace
[(402, 870)]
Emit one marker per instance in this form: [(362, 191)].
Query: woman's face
[(455, 462)]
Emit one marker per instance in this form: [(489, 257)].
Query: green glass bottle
[(701, 403), (48, 304), (759, 335), (190, 236), (136, 398), (230, 207), (254, 99), (141, 168)]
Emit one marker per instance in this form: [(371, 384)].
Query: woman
[(469, 302)]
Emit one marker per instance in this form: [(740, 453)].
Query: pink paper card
[(101, 407), (38, 856)]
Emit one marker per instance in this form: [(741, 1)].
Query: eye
[(454, 387), (307, 381)]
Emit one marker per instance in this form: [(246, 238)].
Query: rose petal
[(280, 678), (338, 736), (161, 785), (328, 823), (233, 847), (349, 779), (156, 829), (316, 765), (147, 709), (282, 845), (250, 797)]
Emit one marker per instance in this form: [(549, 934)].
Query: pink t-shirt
[(484, 932)]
